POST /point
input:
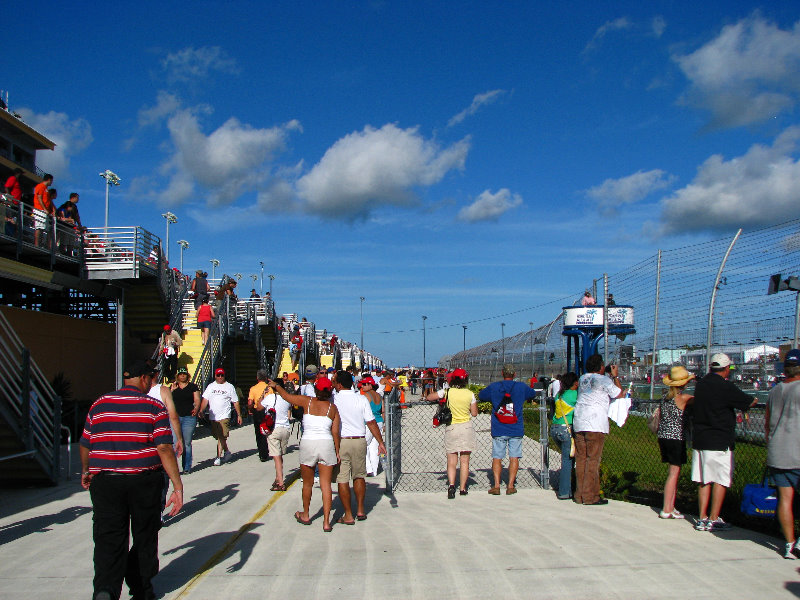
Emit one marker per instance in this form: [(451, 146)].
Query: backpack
[(505, 411), (269, 422), (443, 416)]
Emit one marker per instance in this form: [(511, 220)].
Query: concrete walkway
[(235, 539)]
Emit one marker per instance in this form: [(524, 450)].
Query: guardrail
[(29, 404), (121, 253)]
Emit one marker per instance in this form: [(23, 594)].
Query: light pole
[(271, 279), (465, 337), (111, 179), (261, 262), (214, 264), (424, 358), (503, 329), (255, 278), (362, 321), (171, 218), (184, 245), (238, 276), (533, 365)]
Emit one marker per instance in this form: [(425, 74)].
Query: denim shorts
[(503, 442), (785, 477)]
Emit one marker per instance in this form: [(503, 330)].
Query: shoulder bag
[(443, 416)]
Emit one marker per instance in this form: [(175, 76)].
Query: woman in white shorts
[(278, 439), (319, 446)]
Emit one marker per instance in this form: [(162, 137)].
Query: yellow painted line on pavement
[(222, 552)]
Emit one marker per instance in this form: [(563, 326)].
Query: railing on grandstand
[(122, 251), (173, 288), (61, 241), (215, 345), (28, 403)]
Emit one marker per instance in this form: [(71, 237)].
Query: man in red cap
[(168, 346), (218, 396)]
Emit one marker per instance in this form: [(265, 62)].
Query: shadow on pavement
[(203, 551), (15, 531), (204, 500)]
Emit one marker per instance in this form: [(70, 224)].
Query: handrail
[(126, 249), (212, 351), (28, 402), (172, 288)]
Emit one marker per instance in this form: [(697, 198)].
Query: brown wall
[(80, 348)]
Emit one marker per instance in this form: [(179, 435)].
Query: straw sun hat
[(678, 376)]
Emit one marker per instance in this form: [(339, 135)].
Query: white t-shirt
[(307, 389), (595, 392), (220, 396), (354, 412), (281, 406), (554, 388), (155, 393)]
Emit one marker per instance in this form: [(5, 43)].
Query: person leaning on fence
[(713, 437), (590, 427), (561, 430), (506, 436), (782, 429), (671, 434), (459, 437)]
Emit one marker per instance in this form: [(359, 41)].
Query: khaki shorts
[(220, 429), (353, 454), (278, 440), (317, 451), (460, 438), (712, 466)]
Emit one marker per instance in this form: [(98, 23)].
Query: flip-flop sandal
[(341, 521), (327, 529), (274, 486), (300, 520), (278, 487), (361, 517)]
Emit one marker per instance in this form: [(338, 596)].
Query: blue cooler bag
[(760, 500)]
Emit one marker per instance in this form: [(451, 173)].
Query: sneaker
[(227, 456), (718, 525), (670, 515), (788, 550), (217, 462), (702, 525), (451, 492)]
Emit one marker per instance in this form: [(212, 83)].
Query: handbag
[(654, 420), (760, 499), (443, 416)]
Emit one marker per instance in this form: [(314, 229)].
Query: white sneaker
[(217, 462), (673, 515), (227, 456), (788, 550)]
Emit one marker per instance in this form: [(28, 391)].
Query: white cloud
[(759, 188), (489, 207), (225, 163), (375, 167), (626, 190), (71, 136), (166, 104), (478, 102), (191, 64), (659, 24), (618, 24), (749, 73)]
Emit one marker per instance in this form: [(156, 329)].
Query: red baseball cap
[(365, 380), (459, 373), (167, 328), (323, 383), (219, 371)]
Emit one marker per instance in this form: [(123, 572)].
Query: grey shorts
[(317, 451)]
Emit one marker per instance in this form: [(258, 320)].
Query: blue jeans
[(560, 434), (188, 425)]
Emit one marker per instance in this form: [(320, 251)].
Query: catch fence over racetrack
[(747, 324)]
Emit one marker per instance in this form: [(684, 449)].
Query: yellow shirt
[(403, 381), (255, 394), (459, 399)]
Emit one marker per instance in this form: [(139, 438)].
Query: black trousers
[(261, 439), (124, 506), (170, 366)]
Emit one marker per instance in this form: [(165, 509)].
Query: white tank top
[(317, 427)]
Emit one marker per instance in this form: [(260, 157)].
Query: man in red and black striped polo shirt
[(125, 449)]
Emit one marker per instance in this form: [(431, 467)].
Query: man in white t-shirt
[(590, 427), (218, 397), (356, 416), (307, 389)]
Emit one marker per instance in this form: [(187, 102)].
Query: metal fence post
[(544, 441), (605, 320), (655, 329), (710, 336), (25, 409)]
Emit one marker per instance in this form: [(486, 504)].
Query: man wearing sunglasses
[(218, 397)]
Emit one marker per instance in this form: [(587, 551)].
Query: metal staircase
[(30, 416)]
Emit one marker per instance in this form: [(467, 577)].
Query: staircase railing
[(172, 288), (28, 403), (215, 345)]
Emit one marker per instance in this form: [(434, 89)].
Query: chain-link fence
[(746, 324), (416, 460)]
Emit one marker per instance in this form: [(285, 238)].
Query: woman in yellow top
[(459, 436)]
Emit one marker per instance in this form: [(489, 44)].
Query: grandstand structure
[(76, 306)]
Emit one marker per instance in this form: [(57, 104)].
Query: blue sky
[(454, 160)]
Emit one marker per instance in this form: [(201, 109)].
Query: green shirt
[(565, 404)]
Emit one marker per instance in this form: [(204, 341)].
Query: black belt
[(353, 437)]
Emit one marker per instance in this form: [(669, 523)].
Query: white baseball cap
[(720, 361)]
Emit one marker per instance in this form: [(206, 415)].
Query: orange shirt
[(41, 199)]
